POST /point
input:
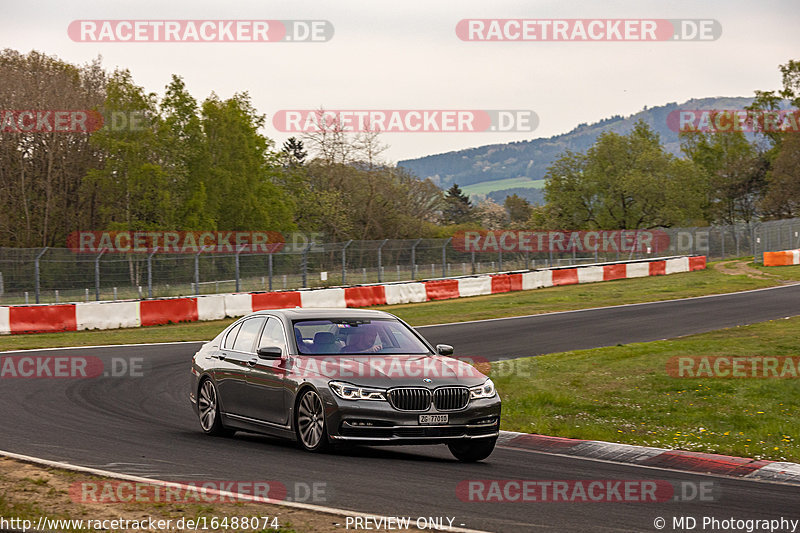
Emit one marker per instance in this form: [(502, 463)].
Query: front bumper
[(377, 422)]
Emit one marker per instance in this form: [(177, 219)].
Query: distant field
[(485, 187)]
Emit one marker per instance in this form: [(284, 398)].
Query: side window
[(231, 336), (273, 335), (247, 335)]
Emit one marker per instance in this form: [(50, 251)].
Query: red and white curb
[(705, 463), (127, 314)]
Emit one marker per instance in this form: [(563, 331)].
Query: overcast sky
[(406, 55)]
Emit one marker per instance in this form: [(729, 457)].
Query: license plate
[(433, 419)]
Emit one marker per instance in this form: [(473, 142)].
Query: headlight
[(347, 391), (482, 391)]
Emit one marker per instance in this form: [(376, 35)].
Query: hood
[(386, 371)]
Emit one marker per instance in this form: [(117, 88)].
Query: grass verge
[(624, 394), (552, 299)]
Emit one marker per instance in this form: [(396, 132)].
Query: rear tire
[(470, 451), (309, 422), (208, 410)]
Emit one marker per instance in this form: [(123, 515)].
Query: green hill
[(496, 169)]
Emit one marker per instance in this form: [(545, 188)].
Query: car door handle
[(252, 362)]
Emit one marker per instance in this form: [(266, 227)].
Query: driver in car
[(362, 340)]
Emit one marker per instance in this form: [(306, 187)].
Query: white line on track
[(214, 492)]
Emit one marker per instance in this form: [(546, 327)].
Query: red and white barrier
[(211, 307), (107, 315), (782, 258), (637, 270), (323, 298), (238, 304), (111, 315), (5, 324), (405, 293)]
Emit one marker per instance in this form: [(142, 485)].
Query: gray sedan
[(323, 377)]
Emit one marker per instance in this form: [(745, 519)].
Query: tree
[(623, 182), (491, 215), (242, 172), (774, 100), (734, 171), (457, 206), (519, 209), (187, 157), (293, 153), (132, 190), (41, 172), (783, 197)]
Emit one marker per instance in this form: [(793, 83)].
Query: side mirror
[(269, 352), (444, 349)]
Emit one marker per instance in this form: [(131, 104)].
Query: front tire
[(208, 410), (470, 451), (310, 426)]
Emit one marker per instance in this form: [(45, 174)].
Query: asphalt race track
[(609, 326), (145, 426)]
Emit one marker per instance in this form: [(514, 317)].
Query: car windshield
[(356, 336)]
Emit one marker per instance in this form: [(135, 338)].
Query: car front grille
[(450, 398), (410, 399)]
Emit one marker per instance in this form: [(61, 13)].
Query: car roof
[(298, 313)]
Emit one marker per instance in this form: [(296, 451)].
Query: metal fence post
[(197, 272), (472, 261), (269, 266), (500, 260), (97, 274), (414, 259), (444, 257), (236, 265), (36, 273), (344, 261), (305, 263), (150, 272), (380, 262)]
